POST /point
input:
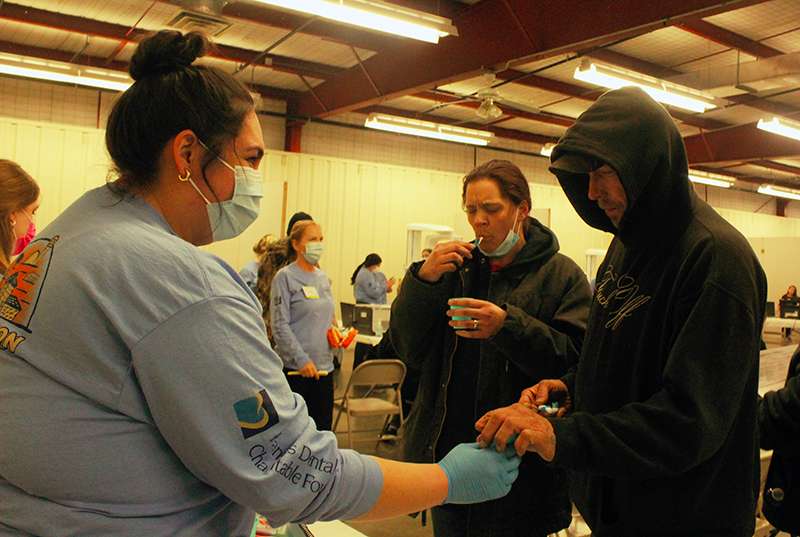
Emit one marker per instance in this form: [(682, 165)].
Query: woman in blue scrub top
[(370, 285), (302, 311)]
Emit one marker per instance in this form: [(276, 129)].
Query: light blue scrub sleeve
[(218, 396), (292, 353)]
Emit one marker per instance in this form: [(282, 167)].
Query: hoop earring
[(187, 174)]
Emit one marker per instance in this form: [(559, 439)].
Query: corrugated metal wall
[(363, 207)]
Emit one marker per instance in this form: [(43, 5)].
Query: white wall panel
[(778, 256), (363, 206), (65, 160)]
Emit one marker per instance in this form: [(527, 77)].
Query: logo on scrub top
[(255, 414), (20, 288)]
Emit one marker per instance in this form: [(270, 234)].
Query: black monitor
[(790, 309), (348, 314), (362, 319), (770, 311)]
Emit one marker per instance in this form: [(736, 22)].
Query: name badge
[(310, 291)]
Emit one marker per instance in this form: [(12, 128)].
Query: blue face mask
[(230, 218), (313, 252), (511, 240)]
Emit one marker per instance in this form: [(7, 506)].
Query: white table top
[(369, 340), (774, 365), (778, 322), (333, 529)]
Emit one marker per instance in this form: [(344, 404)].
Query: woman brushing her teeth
[(482, 320)]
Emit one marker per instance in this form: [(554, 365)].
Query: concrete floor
[(404, 526), (365, 442)]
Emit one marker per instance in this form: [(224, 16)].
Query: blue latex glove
[(477, 475)]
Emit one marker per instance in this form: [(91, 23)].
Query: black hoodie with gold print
[(662, 439)]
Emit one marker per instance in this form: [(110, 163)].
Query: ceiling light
[(63, 72), (489, 110), (713, 179), (783, 127), (659, 90), (773, 190), (427, 129), (547, 149), (374, 15)]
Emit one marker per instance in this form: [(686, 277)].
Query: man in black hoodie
[(661, 435)]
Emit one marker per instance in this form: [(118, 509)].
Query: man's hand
[(490, 318), (532, 431), (545, 392), (446, 257), (309, 371)]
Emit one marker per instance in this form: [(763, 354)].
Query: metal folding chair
[(358, 399)]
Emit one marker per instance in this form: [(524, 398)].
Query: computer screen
[(348, 314), (362, 319)]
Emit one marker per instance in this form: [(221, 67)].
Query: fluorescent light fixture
[(427, 129), (547, 149), (713, 179), (783, 127), (374, 15), (780, 192), (659, 90), (63, 72)]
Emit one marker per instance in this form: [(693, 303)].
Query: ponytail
[(370, 261), (355, 273)]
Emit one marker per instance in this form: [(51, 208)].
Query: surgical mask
[(230, 218), (511, 240), (25, 240), (313, 252)]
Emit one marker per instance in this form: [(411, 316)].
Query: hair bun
[(167, 51)]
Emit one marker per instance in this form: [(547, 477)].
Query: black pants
[(361, 353), (454, 521), (319, 398)]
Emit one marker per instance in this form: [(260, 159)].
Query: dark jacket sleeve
[(417, 312), (779, 413), (712, 360), (552, 345)]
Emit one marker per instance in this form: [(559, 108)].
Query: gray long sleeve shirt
[(301, 313)]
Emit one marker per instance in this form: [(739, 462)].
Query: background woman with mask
[(301, 311), (19, 201), (141, 365), (522, 315)]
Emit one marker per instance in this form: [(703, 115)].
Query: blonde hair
[(260, 247), (17, 191)]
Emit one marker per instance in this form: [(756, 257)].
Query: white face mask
[(230, 218), (511, 240), (313, 252)]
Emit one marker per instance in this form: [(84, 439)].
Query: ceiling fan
[(488, 110), (491, 102)]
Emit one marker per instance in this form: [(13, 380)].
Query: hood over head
[(637, 137)]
